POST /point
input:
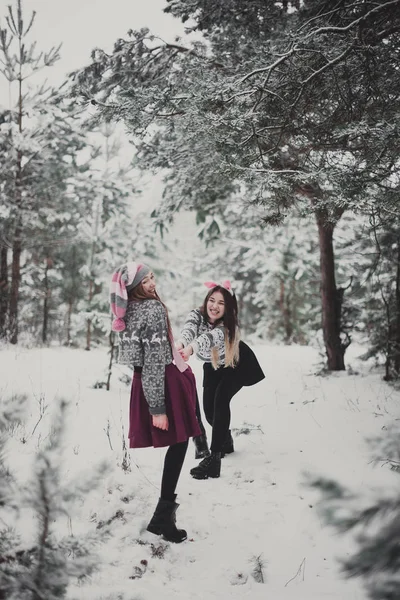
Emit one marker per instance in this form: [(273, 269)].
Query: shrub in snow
[(374, 522), (258, 569), (37, 558)]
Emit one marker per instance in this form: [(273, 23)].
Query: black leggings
[(198, 415), (172, 469), (219, 388)]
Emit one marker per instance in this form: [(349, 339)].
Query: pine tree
[(44, 567), (18, 64), (268, 103), (377, 286), (374, 523)]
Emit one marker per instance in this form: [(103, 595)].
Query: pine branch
[(331, 29)]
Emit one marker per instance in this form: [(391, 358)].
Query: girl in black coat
[(212, 333)]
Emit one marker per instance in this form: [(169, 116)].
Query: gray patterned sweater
[(203, 337), (145, 343)]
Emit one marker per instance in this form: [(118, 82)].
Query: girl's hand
[(178, 345), (186, 352), (160, 421)]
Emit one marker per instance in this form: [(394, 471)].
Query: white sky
[(82, 25)]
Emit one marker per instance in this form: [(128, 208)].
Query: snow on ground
[(291, 424)]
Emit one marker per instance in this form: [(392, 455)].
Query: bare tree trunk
[(111, 361), (46, 301), (389, 334), (397, 322), (15, 283), (69, 315), (3, 290), (89, 321), (284, 303), (331, 297), (282, 297)]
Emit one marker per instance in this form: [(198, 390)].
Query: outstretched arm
[(202, 346), (190, 330)]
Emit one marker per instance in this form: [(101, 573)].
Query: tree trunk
[(46, 302), (331, 297), (15, 283), (111, 361), (3, 290), (284, 303), (88, 334), (397, 322), (89, 321), (69, 315), (17, 243)]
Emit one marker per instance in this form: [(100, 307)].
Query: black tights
[(219, 388), (198, 415), (172, 469)]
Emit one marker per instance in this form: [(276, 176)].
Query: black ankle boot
[(209, 467), (163, 522), (227, 447), (201, 445)]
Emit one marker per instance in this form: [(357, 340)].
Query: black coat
[(247, 371), (248, 368)]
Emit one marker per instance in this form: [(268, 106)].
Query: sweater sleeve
[(204, 343), (154, 340), (190, 330)]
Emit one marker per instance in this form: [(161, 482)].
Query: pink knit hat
[(124, 279)]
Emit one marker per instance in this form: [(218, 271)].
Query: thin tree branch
[(332, 29)]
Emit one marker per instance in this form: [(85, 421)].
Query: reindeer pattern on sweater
[(145, 343)]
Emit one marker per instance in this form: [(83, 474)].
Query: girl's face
[(215, 307), (149, 283)]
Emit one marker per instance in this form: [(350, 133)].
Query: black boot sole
[(166, 537), (204, 476)]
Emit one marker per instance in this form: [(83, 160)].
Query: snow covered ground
[(292, 424)]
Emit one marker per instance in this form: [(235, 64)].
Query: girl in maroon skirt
[(163, 395)]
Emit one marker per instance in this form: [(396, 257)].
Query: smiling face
[(149, 283), (215, 307)]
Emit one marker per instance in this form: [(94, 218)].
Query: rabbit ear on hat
[(225, 284), (210, 284)]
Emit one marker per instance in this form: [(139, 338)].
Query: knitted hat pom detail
[(118, 325)]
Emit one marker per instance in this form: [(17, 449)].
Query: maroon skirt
[(180, 401)]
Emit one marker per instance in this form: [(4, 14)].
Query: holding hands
[(186, 352)]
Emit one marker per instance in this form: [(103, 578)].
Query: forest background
[(260, 143)]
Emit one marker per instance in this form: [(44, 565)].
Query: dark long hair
[(230, 322)]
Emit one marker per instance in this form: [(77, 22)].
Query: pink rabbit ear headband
[(225, 284)]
